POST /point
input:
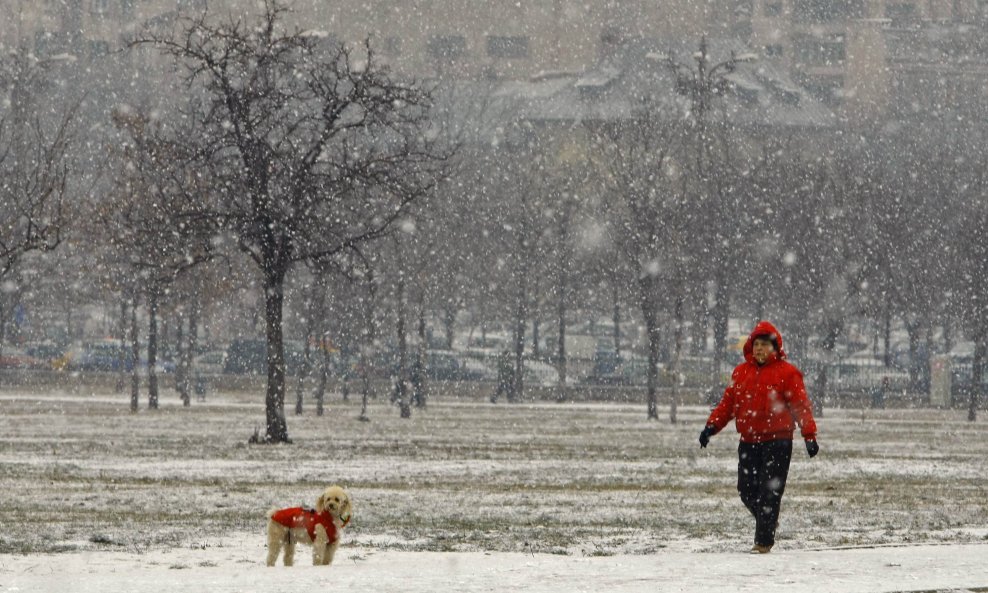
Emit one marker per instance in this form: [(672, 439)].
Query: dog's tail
[(271, 512)]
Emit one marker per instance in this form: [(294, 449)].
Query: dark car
[(446, 365), (250, 357), (110, 356), (50, 354)]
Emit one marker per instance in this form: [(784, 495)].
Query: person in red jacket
[(766, 399)]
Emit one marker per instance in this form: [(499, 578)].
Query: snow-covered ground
[(233, 565), (468, 496)]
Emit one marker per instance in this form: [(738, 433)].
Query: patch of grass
[(567, 479)]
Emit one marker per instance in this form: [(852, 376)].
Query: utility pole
[(702, 84)]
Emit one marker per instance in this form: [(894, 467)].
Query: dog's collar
[(345, 521)]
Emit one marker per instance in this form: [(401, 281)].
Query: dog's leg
[(290, 553), (330, 552), (290, 541), (276, 535), (319, 545)]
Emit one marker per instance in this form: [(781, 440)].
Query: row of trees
[(380, 208)]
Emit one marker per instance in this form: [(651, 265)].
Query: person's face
[(761, 348)]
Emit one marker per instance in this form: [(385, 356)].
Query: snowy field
[(468, 496)]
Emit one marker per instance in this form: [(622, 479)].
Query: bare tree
[(139, 219), (317, 147), (34, 162), (711, 162), (642, 161)]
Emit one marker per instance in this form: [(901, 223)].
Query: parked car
[(102, 355), (541, 373), (250, 357), (16, 358), (51, 355), (211, 362), (611, 369), (447, 365), (109, 356), (863, 371), (442, 366)]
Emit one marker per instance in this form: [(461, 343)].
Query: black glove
[(812, 448), (705, 435)]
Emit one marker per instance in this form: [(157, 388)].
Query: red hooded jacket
[(765, 401), (308, 518)]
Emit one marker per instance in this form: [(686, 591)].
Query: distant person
[(766, 399), (505, 376), (878, 395)]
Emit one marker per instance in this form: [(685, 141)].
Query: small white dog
[(319, 527)]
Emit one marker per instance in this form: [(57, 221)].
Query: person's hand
[(705, 435), (812, 448)]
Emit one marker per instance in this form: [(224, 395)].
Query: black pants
[(762, 472)]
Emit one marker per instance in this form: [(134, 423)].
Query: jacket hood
[(764, 328)]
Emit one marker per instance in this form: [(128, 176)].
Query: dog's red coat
[(308, 518)]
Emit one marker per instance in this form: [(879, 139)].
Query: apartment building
[(495, 38), (865, 58), (878, 57)]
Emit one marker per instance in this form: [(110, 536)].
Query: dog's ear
[(321, 503)]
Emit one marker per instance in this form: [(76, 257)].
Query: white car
[(211, 362), (542, 373)]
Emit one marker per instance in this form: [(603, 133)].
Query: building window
[(447, 47), (900, 12), (822, 11), (98, 48), (772, 9), (392, 46), (828, 89), (774, 51), (507, 47), (42, 43), (820, 52)]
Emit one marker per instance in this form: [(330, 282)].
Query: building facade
[(865, 58)]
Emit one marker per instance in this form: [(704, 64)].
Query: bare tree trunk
[(831, 331), (928, 358), (303, 373), (913, 330), (561, 345), (616, 317), (887, 335), (191, 345), (368, 341), (365, 386), (419, 379), (449, 321), (152, 348), (3, 325), (405, 410), (650, 314), (722, 310), (517, 382), (676, 354), (122, 357), (181, 371), (948, 335), (320, 394), (977, 373), (274, 401), (318, 311), (701, 317), (135, 358), (821, 389)]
